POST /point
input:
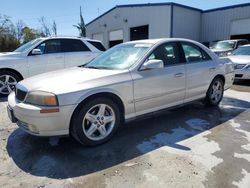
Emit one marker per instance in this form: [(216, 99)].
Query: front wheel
[(95, 122), (215, 92), (8, 81)]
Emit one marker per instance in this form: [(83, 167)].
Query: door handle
[(177, 75), (212, 69), (59, 57)]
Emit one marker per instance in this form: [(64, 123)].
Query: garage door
[(98, 36), (240, 27), (115, 37)]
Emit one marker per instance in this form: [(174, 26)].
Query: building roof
[(170, 4)]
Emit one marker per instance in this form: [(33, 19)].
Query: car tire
[(8, 81), (214, 93), (92, 119)]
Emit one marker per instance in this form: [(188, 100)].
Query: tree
[(81, 26), (8, 41), (45, 28), (29, 34), (54, 28)]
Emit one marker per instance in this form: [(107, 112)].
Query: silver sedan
[(241, 58), (128, 81)]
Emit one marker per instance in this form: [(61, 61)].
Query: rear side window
[(74, 45), (98, 45), (194, 53)]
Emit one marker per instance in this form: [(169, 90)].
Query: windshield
[(120, 57), (242, 51), (28, 45), (223, 45)]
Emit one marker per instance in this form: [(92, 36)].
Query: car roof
[(69, 37), (160, 40), (233, 40)]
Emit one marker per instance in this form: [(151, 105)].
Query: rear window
[(98, 45)]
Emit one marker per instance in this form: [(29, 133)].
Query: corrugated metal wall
[(157, 17), (216, 25), (186, 23)]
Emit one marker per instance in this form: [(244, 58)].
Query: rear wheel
[(8, 81), (95, 122), (215, 92)]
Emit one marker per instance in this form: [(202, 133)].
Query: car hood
[(10, 55), (71, 80), (240, 59)]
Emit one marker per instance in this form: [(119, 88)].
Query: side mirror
[(153, 64), (36, 52)]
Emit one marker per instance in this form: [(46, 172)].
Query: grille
[(20, 94), (240, 66)]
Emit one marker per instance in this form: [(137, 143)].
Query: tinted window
[(168, 53), (50, 46), (194, 53), (241, 43), (98, 45), (74, 45)]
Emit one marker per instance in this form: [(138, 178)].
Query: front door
[(156, 89), (52, 58)]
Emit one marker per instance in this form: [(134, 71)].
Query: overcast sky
[(66, 12)]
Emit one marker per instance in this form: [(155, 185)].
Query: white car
[(123, 83), (44, 55), (241, 58)]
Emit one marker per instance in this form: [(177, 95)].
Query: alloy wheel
[(98, 122), (216, 92), (7, 84)]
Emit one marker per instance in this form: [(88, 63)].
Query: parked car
[(125, 82), (241, 58), (43, 55), (225, 47)]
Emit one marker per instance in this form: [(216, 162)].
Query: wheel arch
[(14, 71), (112, 96), (221, 77)]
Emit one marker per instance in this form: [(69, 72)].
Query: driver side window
[(168, 53), (50, 46)]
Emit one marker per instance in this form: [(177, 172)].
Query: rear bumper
[(30, 119)]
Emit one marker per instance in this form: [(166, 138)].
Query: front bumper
[(29, 118), (243, 74)]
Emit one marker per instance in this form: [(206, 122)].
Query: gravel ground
[(192, 146)]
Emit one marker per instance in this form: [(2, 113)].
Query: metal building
[(142, 21)]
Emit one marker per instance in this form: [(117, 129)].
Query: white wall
[(157, 17), (216, 25), (186, 23)]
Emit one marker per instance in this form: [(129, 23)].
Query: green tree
[(81, 26), (29, 34)]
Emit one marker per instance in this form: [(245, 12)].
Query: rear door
[(52, 57), (200, 70), (76, 52), (160, 88)]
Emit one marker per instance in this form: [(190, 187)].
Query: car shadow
[(62, 158)]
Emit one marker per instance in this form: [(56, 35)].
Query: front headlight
[(42, 98)]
